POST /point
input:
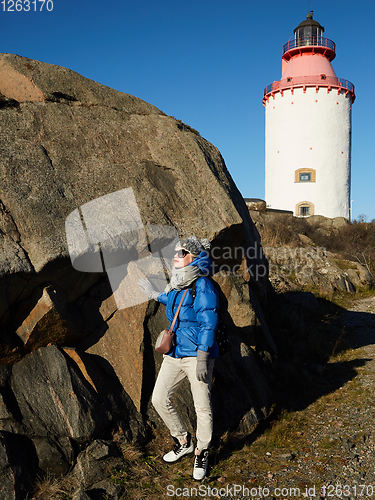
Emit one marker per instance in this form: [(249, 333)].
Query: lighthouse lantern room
[(308, 129)]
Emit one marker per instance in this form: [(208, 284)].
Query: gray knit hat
[(194, 246)]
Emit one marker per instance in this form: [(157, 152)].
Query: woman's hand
[(202, 368), (146, 287)]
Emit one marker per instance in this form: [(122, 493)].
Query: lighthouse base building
[(308, 129)]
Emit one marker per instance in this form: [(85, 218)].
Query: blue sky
[(206, 62)]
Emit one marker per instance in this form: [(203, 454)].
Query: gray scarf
[(183, 277)]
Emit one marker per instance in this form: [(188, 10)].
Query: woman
[(194, 351)]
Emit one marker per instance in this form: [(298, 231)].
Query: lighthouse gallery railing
[(313, 41), (309, 81)]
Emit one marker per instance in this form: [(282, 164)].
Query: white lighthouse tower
[(308, 129)]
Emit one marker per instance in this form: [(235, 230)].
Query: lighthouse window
[(305, 177), (304, 209)]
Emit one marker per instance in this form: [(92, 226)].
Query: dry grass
[(130, 452), (354, 241), (283, 230), (55, 488)]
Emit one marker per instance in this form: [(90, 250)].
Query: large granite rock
[(68, 140), (96, 185)]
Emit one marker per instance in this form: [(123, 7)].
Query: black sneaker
[(180, 450), (200, 465)]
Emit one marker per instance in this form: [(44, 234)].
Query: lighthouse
[(308, 129)]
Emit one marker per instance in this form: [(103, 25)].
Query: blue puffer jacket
[(198, 318)]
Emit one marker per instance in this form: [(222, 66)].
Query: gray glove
[(146, 287), (202, 365)]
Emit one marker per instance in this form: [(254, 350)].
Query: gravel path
[(334, 453)]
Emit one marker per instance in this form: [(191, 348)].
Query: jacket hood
[(203, 262)]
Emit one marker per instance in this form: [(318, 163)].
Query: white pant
[(171, 374)]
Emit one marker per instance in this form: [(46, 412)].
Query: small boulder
[(54, 399), (95, 462), (51, 460), (50, 321), (106, 490)]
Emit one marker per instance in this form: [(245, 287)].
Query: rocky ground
[(326, 450)]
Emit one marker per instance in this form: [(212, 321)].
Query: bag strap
[(178, 310)]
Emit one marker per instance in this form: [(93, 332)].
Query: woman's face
[(182, 258)]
